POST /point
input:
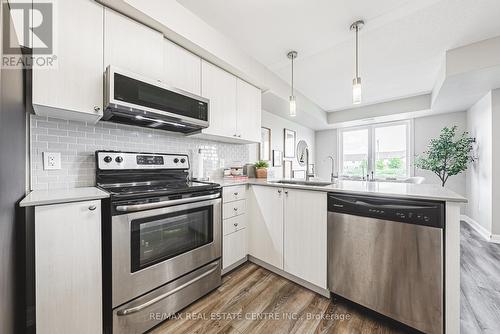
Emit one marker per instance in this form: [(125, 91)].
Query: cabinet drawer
[(234, 224), (234, 247), (234, 209), (235, 193)]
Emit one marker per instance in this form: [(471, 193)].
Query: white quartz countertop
[(55, 196), (385, 189)]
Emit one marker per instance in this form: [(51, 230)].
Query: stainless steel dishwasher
[(386, 254)]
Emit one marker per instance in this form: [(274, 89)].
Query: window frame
[(371, 145)]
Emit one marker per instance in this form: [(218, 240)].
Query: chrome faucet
[(308, 175), (332, 174)]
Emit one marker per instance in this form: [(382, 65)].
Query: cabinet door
[(234, 248), (181, 68), (248, 111), (73, 88), (305, 227), (265, 224), (68, 268), (132, 46), (220, 87)]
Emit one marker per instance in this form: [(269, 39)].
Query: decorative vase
[(261, 173)]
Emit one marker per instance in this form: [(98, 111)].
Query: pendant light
[(356, 82), (293, 103)]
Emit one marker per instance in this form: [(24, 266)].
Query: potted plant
[(261, 169), (447, 155)]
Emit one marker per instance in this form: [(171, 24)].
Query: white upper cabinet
[(73, 89), (181, 68), (265, 224), (219, 87), (305, 226), (132, 46), (235, 106), (249, 107)]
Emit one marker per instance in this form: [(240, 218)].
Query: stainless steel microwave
[(137, 100)]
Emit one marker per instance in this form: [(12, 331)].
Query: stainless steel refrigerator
[(13, 152)]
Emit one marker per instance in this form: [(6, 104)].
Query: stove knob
[(108, 159), (176, 160), (183, 160), (119, 159)]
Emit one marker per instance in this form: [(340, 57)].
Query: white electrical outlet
[(51, 160)]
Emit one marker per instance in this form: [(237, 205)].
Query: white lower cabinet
[(265, 224), (234, 223), (235, 248), (68, 271), (287, 229), (305, 226)]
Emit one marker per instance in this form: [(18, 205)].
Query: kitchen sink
[(305, 183)]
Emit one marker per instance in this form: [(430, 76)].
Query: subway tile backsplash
[(77, 142)]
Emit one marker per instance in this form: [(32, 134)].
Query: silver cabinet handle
[(235, 194), (279, 191), (92, 207), (139, 207), (235, 209), (235, 224), (155, 300), (96, 108)]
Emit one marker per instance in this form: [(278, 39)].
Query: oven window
[(159, 238)]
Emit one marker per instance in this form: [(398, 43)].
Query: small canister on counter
[(249, 170)]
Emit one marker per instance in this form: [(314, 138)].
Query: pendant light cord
[(292, 76), (357, 74)]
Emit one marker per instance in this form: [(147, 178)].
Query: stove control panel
[(110, 160)]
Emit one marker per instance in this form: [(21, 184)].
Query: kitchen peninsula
[(281, 215)]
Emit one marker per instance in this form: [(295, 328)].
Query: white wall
[(479, 178), (426, 128), (277, 125), (326, 144), (495, 124)]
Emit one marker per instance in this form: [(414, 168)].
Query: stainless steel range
[(162, 238)]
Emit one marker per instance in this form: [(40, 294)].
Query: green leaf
[(447, 155)]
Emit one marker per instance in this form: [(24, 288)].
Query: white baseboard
[(495, 238), (290, 277)]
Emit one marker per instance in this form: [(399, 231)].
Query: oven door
[(153, 247)]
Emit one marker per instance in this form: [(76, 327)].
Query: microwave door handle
[(155, 300), (147, 206)]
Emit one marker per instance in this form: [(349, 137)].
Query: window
[(383, 149)]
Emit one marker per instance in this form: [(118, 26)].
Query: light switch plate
[(51, 160)]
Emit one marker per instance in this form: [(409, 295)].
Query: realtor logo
[(31, 25)]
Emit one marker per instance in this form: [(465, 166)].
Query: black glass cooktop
[(155, 189)]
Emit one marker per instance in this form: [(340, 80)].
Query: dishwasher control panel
[(418, 212)]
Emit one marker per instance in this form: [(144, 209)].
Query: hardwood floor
[(479, 284), (254, 300)]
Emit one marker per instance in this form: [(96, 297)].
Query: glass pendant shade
[(293, 106), (356, 90)]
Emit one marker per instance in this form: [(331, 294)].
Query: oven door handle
[(147, 206), (155, 300)]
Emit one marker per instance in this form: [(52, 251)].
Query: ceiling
[(401, 47)]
